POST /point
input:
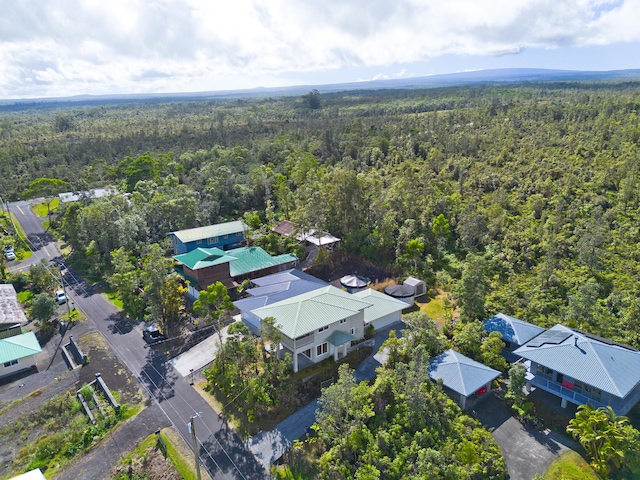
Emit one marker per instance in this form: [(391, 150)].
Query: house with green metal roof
[(581, 368), (317, 324), (18, 353), (204, 266), (224, 236), (385, 310)]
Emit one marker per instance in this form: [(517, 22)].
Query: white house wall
[(23, 364), (382, 322), (252, 321)]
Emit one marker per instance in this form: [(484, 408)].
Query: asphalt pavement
[(222, 452)]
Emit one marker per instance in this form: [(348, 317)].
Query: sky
[(54, 48)]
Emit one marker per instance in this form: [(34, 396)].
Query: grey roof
[(460, 373), (605, 365), (305, 313), (412, 281), (10, 309), (383, 304), (512, 329), (286, 276), (354, 281), (277, 287), (400, 291)]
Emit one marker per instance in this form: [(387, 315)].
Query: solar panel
[(549, 337)]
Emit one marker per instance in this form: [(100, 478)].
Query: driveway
[(526, 452)]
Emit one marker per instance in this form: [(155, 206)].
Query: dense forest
[(522, 199)]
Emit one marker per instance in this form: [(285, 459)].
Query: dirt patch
[(113, 372), (147, 461), (340, 264)]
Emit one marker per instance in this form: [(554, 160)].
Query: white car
[(10, 255), (61, 297)]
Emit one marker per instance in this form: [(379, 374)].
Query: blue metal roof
[(277, 287), (610, 367), (512, 329), (460, 373)]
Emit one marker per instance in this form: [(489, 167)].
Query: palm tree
[(602, 434)]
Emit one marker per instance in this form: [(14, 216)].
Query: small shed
[(419, 287), (353, 283), (464, 379), (405, 293)]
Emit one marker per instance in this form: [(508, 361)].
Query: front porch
[(577, 394)]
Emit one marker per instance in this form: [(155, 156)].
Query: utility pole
[(64, 289), (192, 430)]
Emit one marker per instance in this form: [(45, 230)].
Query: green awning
[(338, 338)]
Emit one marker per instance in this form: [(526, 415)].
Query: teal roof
[(218, 230), (383, 304), (18, 346), (338, 338), (250, 259), (302, 314), (204, 257)]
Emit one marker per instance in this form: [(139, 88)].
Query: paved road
[(221, 451)]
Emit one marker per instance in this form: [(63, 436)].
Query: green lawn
[(40, 209), (435, 308), (115, 300), (570, 466)]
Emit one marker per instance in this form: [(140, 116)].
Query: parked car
[(61, 297), (8, 248), (10, 255), (151, 334)]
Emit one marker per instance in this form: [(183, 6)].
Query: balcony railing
[(301, 342), (563, 392)]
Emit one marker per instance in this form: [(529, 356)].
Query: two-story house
[(224, 236), (317, 324)]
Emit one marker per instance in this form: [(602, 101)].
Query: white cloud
[(66, 47)]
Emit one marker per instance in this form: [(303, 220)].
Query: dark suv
[(151, 334)]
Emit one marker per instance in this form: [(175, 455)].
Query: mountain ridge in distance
[(492, 76)]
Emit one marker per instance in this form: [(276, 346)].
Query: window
[(322, 329), (322, 349), (212, 240), (199, 242), (307, 353), (354, 331), (12, 362), (344, 320)]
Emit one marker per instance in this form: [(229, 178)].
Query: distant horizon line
[(460, 78)]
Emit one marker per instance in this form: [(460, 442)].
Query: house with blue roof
[(464, 380), (515, 332), (581, 368), (224, 236)]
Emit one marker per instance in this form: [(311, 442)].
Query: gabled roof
[(460, 373), (413, 281), (277, 287), (512, 329), (241, 260), (302, 314), (607, 366), (250, 259), (382, 304), (217, 230), (204, 257), (18, 346), (10, 309)]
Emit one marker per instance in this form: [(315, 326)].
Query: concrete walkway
[(200, 355), (526, 452), (270, 446)]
